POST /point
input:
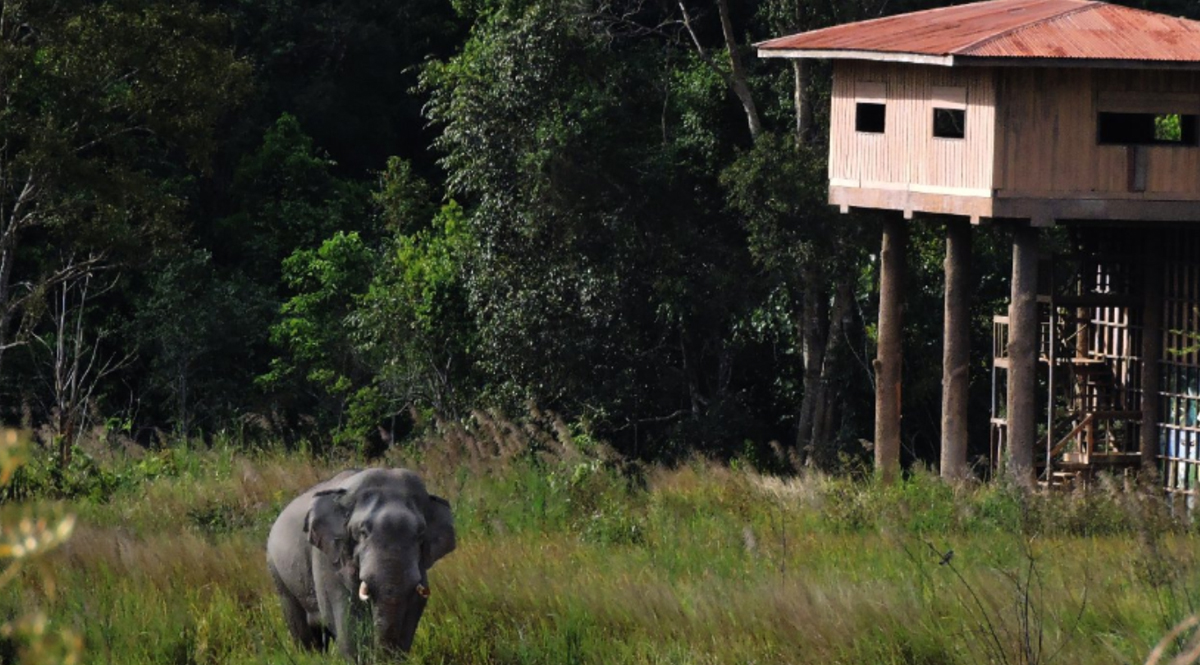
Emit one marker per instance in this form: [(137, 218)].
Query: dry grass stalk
[(1190, 653)]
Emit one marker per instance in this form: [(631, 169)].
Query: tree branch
[(735, 79), (741, 87)]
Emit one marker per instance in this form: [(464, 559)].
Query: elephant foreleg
[(296, 618), (352, 626)]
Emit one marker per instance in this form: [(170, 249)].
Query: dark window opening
[(949, 123), (1147, 129), (869, 117)]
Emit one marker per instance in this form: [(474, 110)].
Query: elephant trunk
[(396, 622), (397, 591)]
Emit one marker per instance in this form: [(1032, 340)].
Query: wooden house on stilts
[(1032, 114)]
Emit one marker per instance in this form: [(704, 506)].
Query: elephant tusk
[(423, 591), (362, 592)]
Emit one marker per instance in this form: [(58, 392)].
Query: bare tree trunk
[(813, 323), (739, 83), (889, 358), (75, 364), (803, 104), (823, 425), (7, 258), (13, 220), (694, 398), (736, 78), (185, 427)]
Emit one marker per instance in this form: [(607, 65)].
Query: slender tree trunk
[(689, 374), (6, 310), (888, 360), (813, 323), (821, 332), (1023, 339), (738, 80), (803, 104), (13, 220), (823, 425), (956, 350)]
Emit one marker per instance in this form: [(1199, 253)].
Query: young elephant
[(353, 552)]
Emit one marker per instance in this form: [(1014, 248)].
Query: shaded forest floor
[(569, 556)]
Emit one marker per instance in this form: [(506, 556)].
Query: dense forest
[(335, 222)]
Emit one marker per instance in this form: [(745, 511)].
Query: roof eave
[(1075, 63), (952, 60), (857, 54)]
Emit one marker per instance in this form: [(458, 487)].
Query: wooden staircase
[(1090, 426)]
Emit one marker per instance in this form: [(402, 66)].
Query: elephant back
[(394, 481)]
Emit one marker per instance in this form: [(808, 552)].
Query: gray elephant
[(352, 553)]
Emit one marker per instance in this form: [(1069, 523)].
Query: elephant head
[(382, 532)]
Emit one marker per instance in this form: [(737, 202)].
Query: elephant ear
[(326, 524), (439, 531)]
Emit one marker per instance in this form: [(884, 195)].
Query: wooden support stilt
[(887, 363), (1023, 340), (1152, 315), (956, 350)]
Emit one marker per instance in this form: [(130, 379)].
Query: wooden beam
[(887, 363), (907, 199), (956, 348), (1121, 101), (852, 54), (1041, 221), (1023, 339), (1152, 315), (1117, 207)]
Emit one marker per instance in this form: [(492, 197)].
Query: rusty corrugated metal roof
[(1000, 29)]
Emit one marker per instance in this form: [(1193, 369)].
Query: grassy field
[(568, 556)]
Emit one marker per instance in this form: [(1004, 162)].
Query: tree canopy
[(330, 222)]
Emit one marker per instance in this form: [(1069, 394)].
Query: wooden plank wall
[(907, 154), (1046, 134)]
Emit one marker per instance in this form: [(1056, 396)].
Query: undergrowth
[(569, 554)]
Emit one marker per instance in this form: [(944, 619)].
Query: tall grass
[(570, 555)]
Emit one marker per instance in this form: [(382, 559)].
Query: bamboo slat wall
[(1179, 432), (1115, 336), (908, 154), (1116, 332)]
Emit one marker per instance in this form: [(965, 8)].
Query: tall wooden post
[(887, 364), (955, 349), (1152, 314), (1023, 340)]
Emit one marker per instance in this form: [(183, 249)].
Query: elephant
[(352, 554)]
